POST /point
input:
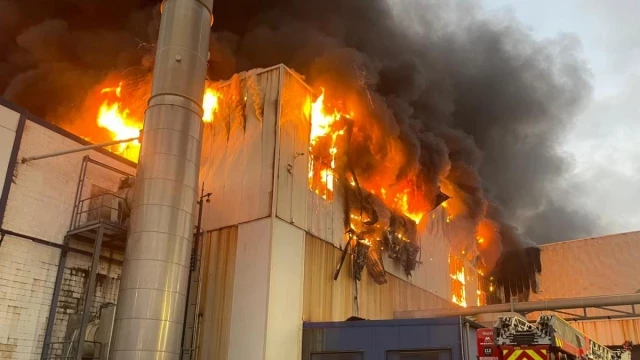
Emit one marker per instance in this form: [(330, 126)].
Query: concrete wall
[(39, 204)]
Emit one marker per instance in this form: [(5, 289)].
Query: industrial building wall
[(9, 121), (263, 123), (329, 300), (238, 149), (219, 263), (255, 164), (608, 265), (605, 265), (39, 204)]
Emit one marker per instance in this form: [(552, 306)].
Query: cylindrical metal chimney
[(153, 288)]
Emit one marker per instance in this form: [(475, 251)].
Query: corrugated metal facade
[(262, 124), (329, 300), (611, 332), (607, 265), (277, 267)]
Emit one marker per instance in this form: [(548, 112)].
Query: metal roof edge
[(542, 246), (392, 322)]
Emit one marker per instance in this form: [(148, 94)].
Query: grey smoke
[(476, 100)]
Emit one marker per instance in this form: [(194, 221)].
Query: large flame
[(326, 130), (114, 115), (323, 134), (458, 281), (209, 104)]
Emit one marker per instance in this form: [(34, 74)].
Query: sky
[(602, 141)]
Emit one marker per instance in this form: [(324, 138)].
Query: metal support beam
[(54, 302), (547, 305), (603, 317), (571, 314), (88, 296), (615, 310), (71, 151), (65, 246)]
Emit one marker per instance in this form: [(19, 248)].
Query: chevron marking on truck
[(524, 354)]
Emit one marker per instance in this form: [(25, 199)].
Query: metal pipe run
[(525, 307), (83, 148), (153, 288)]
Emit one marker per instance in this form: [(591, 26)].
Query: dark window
[(338, 356), (419, 355)]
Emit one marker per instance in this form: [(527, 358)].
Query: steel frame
[(96, 231), (622, 314)]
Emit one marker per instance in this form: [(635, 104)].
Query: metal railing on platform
[(104, 208)]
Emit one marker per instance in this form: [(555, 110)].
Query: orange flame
[(402, 204), (458, 281), (209, 104), (326, 129), (322, 127), (115, 116)]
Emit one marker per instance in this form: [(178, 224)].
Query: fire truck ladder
[(546, 326), (515, 331)]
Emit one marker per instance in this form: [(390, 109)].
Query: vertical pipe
[(54, 302), (152, 296), (187, 331), (462, 353), (88, 296)]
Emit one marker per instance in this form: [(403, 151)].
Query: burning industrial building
[(356, 174)]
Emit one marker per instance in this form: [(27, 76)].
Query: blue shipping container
[(413, 339)]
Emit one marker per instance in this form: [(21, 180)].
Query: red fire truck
[(550, 338)]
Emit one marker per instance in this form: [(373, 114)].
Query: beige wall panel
[(238, 154), (216, 297), (250, 291), (611, 332), (293, 166), (433, 274), (284, 326), (8, 125), (568, 267), (329, 300)]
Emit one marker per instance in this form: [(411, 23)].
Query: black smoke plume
[(473, 104)]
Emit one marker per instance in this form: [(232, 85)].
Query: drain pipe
[(462, 353), (82, 148), (153, 287)]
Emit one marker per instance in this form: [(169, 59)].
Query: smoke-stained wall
[(473, 104)]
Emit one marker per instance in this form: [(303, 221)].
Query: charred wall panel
[(295, 127), (329, 300), (238, 150)]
